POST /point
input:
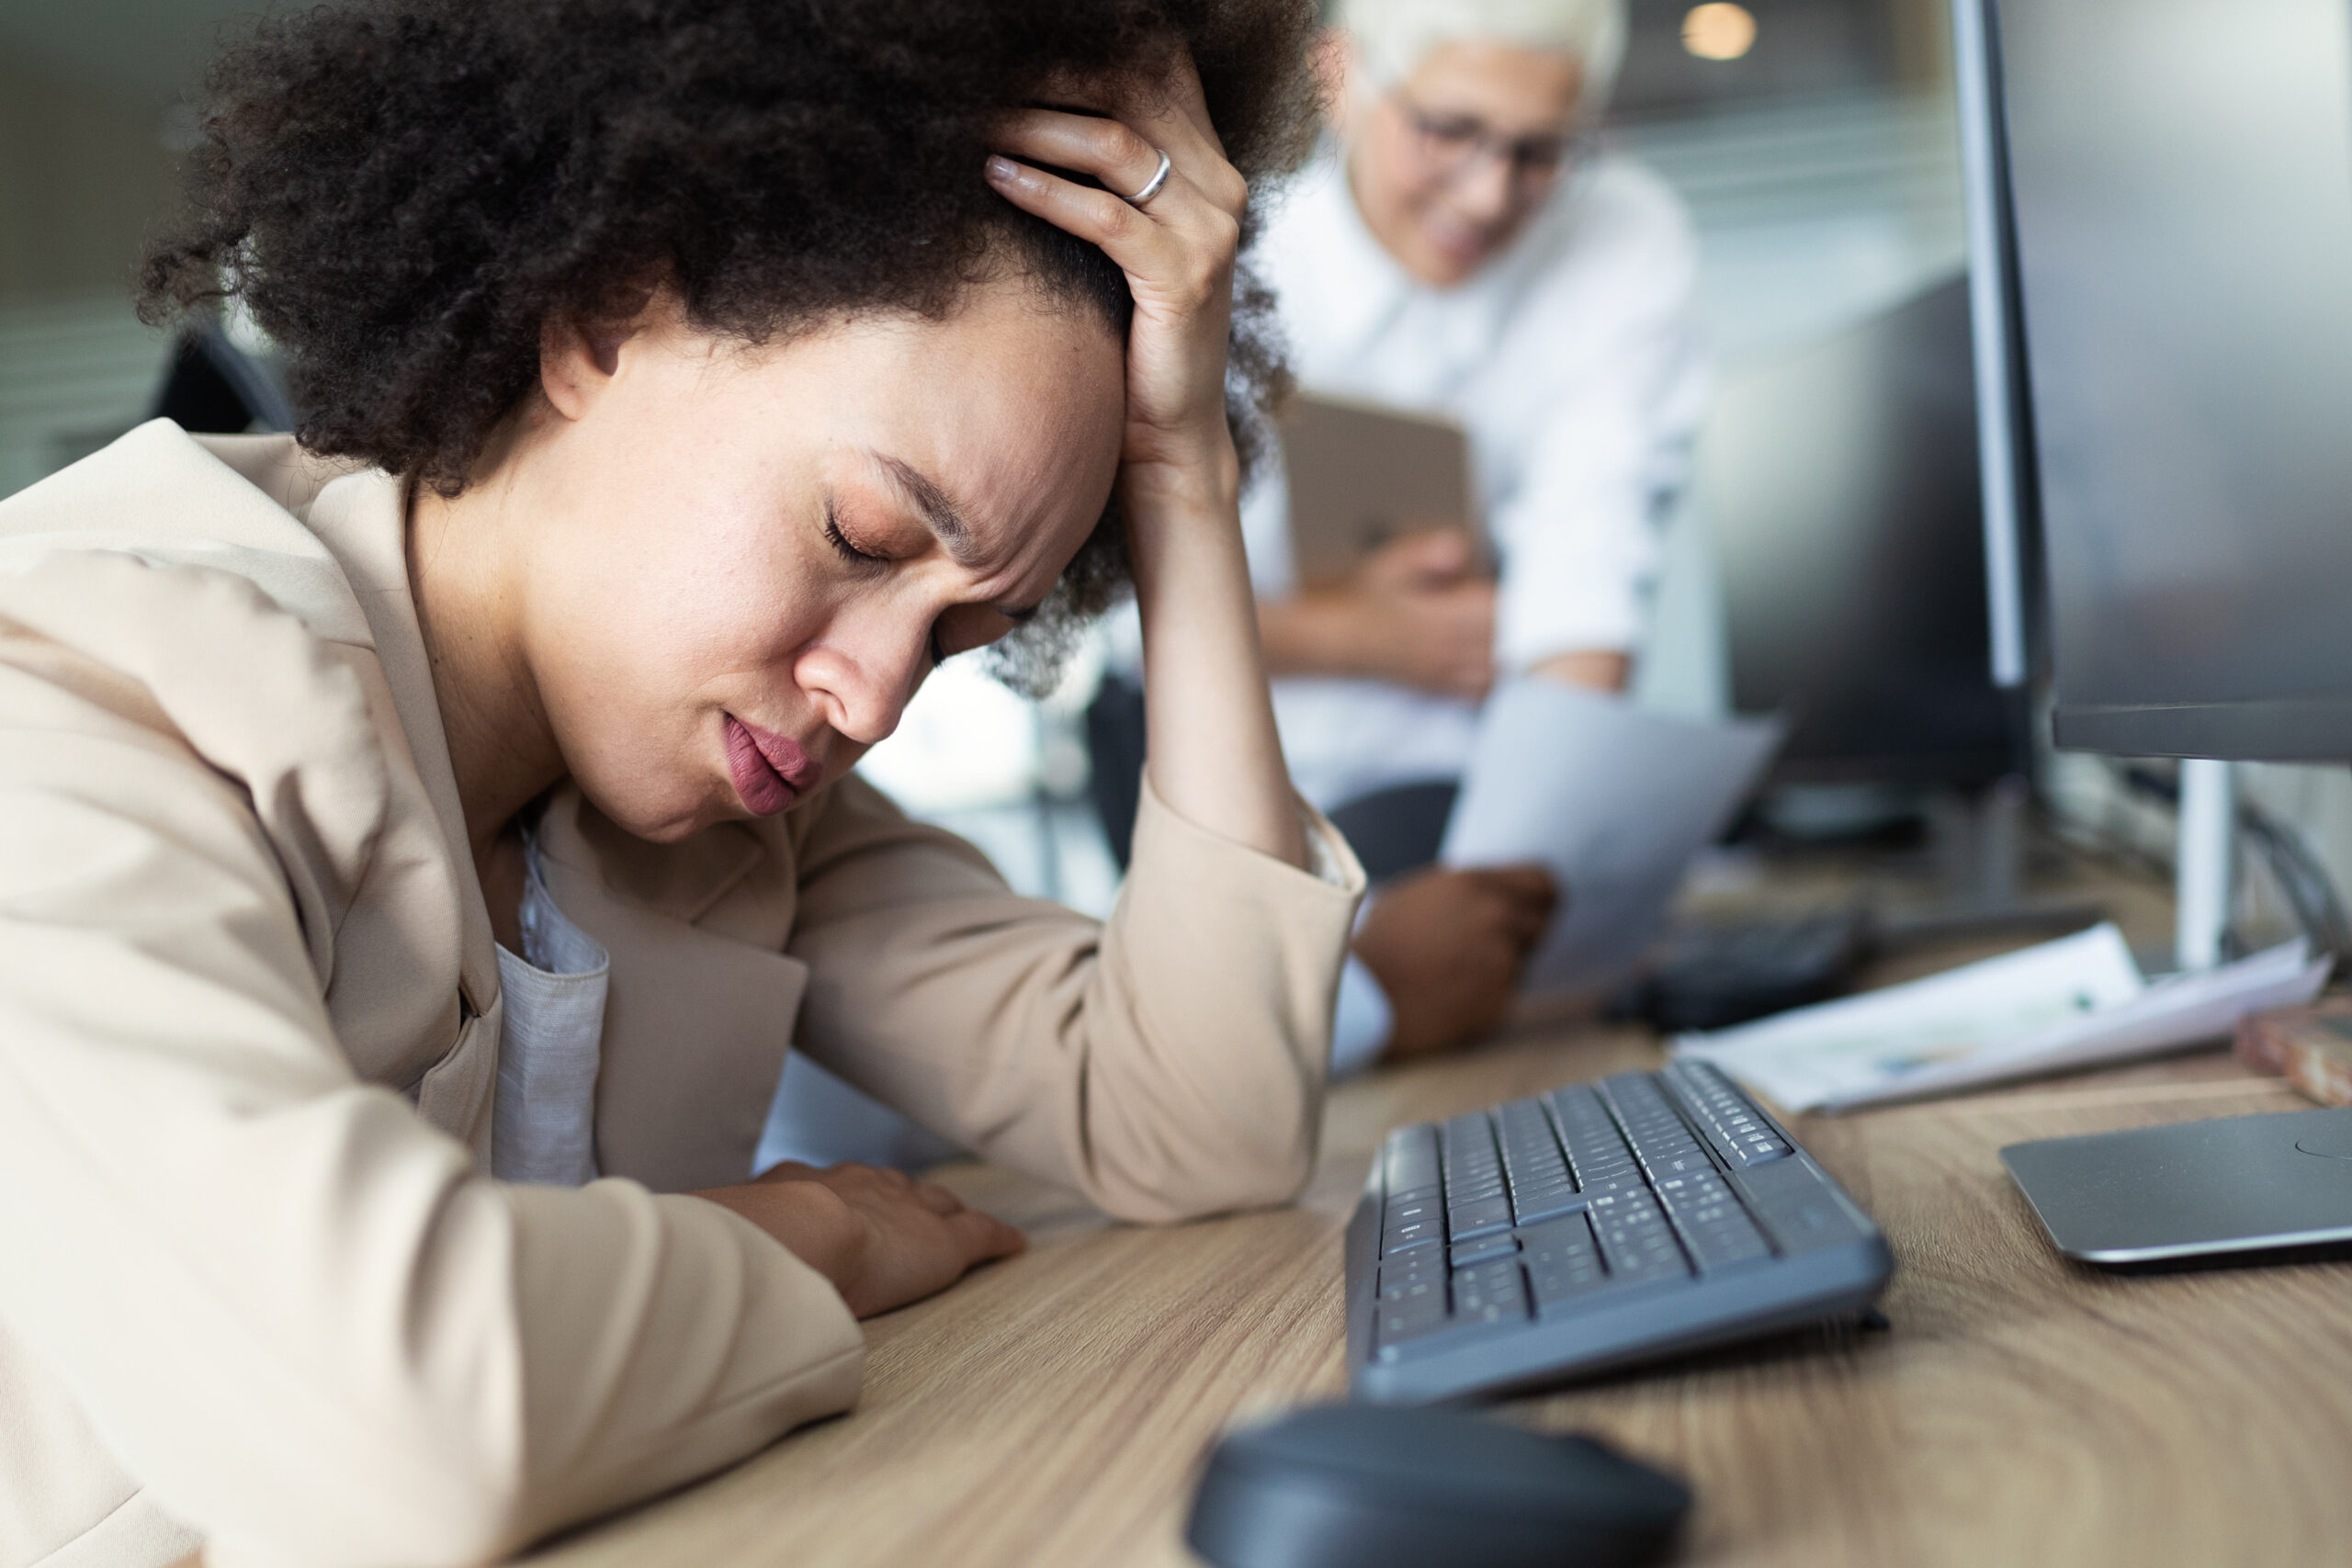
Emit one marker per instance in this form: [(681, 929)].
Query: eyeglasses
[(1451, 144)]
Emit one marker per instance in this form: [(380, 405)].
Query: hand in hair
[(1177, 249), (1215, 757)]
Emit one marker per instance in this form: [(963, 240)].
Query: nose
[(1486, 190), (861, 682)]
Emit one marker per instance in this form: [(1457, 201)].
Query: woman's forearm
[(1214, 755)]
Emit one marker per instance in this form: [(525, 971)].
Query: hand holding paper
[(1614, 800)]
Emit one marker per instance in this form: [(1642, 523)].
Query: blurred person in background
[(426, 835), (1463, 246)]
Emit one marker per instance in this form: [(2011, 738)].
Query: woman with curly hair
[(422, 838)]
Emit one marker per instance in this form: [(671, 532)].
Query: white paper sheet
[(2070, 1003), (1614, 800)]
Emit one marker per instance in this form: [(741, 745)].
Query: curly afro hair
[(402, 192)]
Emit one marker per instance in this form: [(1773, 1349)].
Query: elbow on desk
[(413, 1500), (1249, 1163)]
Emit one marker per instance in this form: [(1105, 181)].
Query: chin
[(1455, 255), (661, 820), (1461, 263), (675, 829)]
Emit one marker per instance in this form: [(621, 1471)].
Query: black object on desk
[(1714, 975), (1358, 1486)]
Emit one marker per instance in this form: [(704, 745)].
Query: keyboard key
[(1410, 1205), (1411, 1159), (1540, 1203), (1714, 1225), (1635, 1240), (1595, 1148), (1490, 1292), (1468, 1143), (1531, 1149), (1477, 1217), (1411, 1311), (1525, 1127), (1732, 1123), (1406, 1237), (1501, 1243), (1628, 1180), (1686, 1159), (1562, 1262), (1734, 1241), (1534, 1170), (1417, 1267), (1412, 1226)]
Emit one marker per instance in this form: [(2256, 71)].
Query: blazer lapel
[(696, 1023), (362, 518)]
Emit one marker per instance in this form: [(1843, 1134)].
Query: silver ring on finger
[(1152, 187)]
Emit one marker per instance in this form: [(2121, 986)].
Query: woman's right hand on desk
[(881, 1236), (1418, 613)]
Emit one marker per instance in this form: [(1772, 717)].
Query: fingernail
[(1004, 171)]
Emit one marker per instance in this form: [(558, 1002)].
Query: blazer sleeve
[(292, 1310), (1168, 1062)]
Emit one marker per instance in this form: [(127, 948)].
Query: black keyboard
[(1603, 1224)]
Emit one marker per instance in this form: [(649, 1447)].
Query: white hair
[(1393, 37)]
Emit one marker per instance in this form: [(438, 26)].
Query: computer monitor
[(2177, 179), (2179, 175), (1840, 486)]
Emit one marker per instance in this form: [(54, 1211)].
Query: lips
[(770, 771)]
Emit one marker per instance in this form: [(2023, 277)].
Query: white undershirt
[(544, 1130), (548, 1049)]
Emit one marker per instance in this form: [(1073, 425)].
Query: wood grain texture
[(2021, 1409), (1052, 1410)]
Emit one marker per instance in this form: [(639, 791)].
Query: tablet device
[(1362, 475)]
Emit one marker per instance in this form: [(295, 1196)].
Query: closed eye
[(841, 541)]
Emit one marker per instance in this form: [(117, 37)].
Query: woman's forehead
[(1001, 391)]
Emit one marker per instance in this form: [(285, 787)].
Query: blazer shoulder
[(200, 658), (162, 496)]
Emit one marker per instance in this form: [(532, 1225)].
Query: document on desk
[(1616, 800), (2076, 1002)]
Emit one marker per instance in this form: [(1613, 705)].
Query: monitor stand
[(1983, 841), (2204, 835)]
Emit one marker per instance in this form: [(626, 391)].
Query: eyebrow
[(941, 514)]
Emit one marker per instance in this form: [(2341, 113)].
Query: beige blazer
[(257, 1291)]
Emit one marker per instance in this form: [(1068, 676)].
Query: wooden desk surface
[(1051, 1410)]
